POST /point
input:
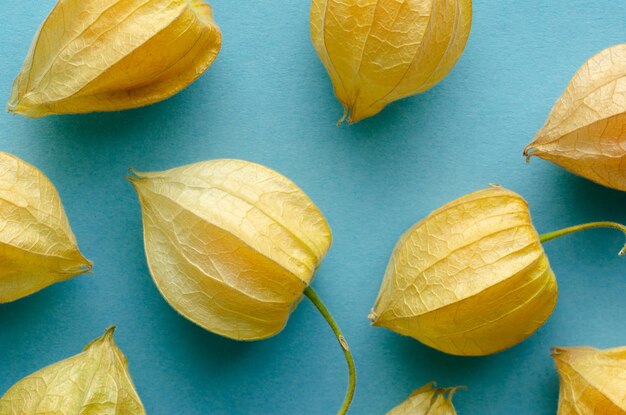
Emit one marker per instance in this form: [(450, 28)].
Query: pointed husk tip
[(107, 337), (134, 177), (373, 317), (346, 112), (16, 109), (452, 391), (86, 266), (559, 351), (81, 266), (348, 116), (109, 332), (529, 152), (447, 392), (20, 105)]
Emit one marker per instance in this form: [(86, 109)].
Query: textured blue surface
[(268, 99)]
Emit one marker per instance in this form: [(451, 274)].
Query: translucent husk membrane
[(428, 400), (584, 132), (233, 246), (37, 245), (95, 381), (472, 278), (110, 55), (592, 380), (380, 51)]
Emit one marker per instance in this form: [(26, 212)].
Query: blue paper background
[(268, 99)]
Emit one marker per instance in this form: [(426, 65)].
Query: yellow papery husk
[(110, 55), (427, 400), (94, 382), (471, 279), (37, 246), (592, 381), (231, 244), (585, 132), (379, 51)]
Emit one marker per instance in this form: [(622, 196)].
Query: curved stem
[(317, 302), (594, 225)]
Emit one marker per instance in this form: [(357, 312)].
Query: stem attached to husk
[(317, 302), (573, 229)]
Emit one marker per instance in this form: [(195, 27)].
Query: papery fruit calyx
[(95, 55), (472, 278), (379, 51), (233, 246), (586, 131), (592, 381), (37, 246), (95, 381), (427, 400)]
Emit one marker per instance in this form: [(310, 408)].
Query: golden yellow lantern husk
[(110, 55), (427, 400), (379, 51), (37, 246), (233, 246), (584, 132), (472, 278), (95, 381), (592, 381)]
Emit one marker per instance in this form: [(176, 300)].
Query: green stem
[(573, 229), (317, 302)]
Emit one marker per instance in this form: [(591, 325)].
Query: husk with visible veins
[(470, 279), (428, 400), (592, 381), (109, 55), (231, 244), (94, 382), (586, 131), (379, 51), (37, 246)]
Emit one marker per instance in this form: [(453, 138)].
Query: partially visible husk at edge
[(37, 246), (110, 55), (379, 51), (585, 132), (427, 400), (94, 382), (592, 381), (231, 244), (470, 279)]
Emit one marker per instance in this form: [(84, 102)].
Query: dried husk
[(94, 382), (586, 131), (470, 279), (231, 244), (427, 400), (379, 51), (37, 246), (110, 55), (592, 381)]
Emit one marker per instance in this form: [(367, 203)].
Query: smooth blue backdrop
[(268, 99)]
